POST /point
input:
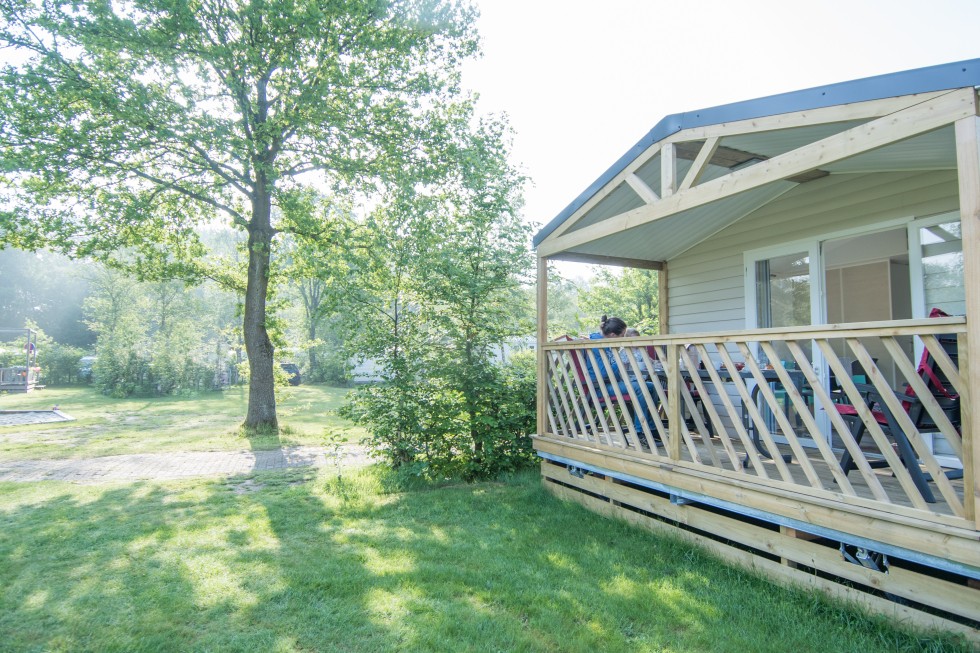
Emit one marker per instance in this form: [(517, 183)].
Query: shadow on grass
[(306, 561)]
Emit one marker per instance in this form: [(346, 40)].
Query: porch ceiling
[(665, 238)]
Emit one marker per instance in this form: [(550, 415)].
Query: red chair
[(941, 391)]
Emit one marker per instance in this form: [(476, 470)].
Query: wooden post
[(663, 304), (542, 305), (675, 419), (668, 170), (968, 169)]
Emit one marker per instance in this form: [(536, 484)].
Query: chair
[(941, 390)]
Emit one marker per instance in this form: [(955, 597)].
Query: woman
[(614, 378)]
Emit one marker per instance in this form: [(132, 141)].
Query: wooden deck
[(885, 476), (901, 539)]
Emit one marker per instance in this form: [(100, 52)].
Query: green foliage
[(156, 338), (632, 295), (125, 125), (59, 364), (431, 295)]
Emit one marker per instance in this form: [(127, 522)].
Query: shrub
[(423, 429)]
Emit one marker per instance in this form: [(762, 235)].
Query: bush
[(423, 428), (60, 364)]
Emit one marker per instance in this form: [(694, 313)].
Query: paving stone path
[(177, 465)]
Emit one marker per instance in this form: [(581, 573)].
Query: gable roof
[(920, 80)]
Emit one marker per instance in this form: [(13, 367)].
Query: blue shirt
[(600, 371)]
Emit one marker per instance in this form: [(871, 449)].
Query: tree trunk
[(314, 363), (261, 386)]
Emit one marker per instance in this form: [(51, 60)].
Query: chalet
[(819, 262)]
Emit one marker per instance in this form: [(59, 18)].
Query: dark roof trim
[(921, 80)]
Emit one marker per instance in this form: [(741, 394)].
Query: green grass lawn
[(206, 422), (303, 561), (309, 560)]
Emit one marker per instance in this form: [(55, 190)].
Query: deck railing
[(768, 404)]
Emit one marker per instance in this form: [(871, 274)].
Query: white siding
[(705, 284)]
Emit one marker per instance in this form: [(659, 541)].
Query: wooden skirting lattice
[(908, 592)]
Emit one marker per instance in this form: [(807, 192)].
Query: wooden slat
[(700, 163), (753, 411), (969, 442), (793, 546), (840, 426), (917, 327), (668, 171), (675, 423), (663, 303), (629, 372), (726, 442), (614, 400), (944, 362), (583, 394), (619, 261), (948, 537), (594, 393), (734, 416), (968, 175), (781, 418), (640, 187), (633, 371), (802, 409), (924, 395), (839, 113), (874, 429), (541, 301), (902, 417), (555, 406), (696, 416), (659, 391), (566, 395)]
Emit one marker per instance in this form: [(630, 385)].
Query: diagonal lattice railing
[(846, 409)]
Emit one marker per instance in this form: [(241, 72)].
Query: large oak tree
[(124, 125)]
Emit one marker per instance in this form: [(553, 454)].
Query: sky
[(582, 81)]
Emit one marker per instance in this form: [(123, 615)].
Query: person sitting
[(636, 368), (614, 378)]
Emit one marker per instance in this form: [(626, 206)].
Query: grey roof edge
[(958, 74)]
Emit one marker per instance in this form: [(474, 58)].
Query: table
[(772, 378)]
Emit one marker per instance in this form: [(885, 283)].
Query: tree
[(473, 294), (126, 124), (632, 295), (434, 293)]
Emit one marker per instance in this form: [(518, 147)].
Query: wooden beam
[(839, 113), (597, 259), (700, 163), (968, 172), (668, 170), (808, 118), (727, 157), (863, 138), (640, 187), (675, 419), (542, 310), (663, 305)]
